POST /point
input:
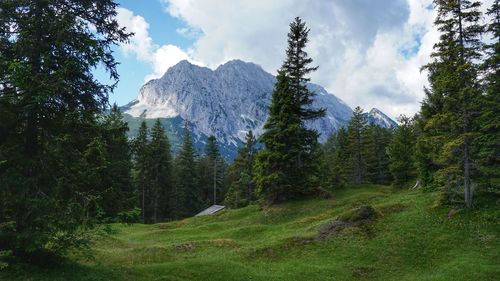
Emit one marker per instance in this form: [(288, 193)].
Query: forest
[(68, 170)]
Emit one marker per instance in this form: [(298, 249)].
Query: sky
[(369, 52)]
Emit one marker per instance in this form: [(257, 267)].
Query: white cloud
[(165, 57), (143, 47), (369, 52), (140, 44)]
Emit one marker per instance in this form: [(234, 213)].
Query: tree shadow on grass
[(66, 270)]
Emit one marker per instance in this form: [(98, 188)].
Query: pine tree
[(141, 166), (160, 173), (97, 159), (287, 168), (401, 151), (356, 131), (188, 193), (448, 112), (336, 158), (377, 161), (489, 119), (240, 175), (211, 172), (49, 104), (119, 195)]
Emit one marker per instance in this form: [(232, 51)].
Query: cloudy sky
[(369, 52)]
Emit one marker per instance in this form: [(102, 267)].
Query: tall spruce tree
[(449, 111), (336, 158), (488, 139), (188, 192), (356, 135), (377, 161), (141, 166), (401, 151), (211, 172), (160, 174), (119, 193), (49, 100), (287, 168), (240, 175)]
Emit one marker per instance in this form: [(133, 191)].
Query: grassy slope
[(411, 241)]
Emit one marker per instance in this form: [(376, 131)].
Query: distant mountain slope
[(226, 102), (378, 118)]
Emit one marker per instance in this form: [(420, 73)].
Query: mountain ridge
[(226, 102)]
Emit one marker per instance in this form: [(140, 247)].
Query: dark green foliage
[(287, 167), (159, 194), (51, 145), (188, 194), (357, 154), (357, 141), (119, 194), (449, 112), (335, 158), (129, 216), (488, 140), (211, 149), (168, 189), (401, 152), (141, 166), (240, 176), (375, 153), (211, 171)]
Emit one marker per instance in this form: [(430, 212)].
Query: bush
[(130, 216)]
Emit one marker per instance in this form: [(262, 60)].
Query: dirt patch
[(163, 226), (322, 193), (223, 243), (185, 247), (269, 253), (360, 217), (364, 272), (298, 241)]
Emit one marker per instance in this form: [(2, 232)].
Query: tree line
[(172, 188)]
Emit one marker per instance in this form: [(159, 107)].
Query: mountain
[(226, 102), (378, 118)]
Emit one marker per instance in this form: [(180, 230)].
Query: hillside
[(406, 239)]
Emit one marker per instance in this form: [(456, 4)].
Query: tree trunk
[(143, 202), (155, 219), (467, 184), (156, 189)]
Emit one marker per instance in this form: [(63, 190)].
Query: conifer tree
[(288, 168), (488, 139), (211, 172), (377, 161), (97, 159), (401, 151), (448, 113), (356, 135), (336, 158), (188, 192), (119, 195), (240, 175), (49, 101), (141, 166), (160, 173)]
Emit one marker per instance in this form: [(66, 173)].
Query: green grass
[(409, 240)]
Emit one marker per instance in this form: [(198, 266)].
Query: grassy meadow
[(406, 239)]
